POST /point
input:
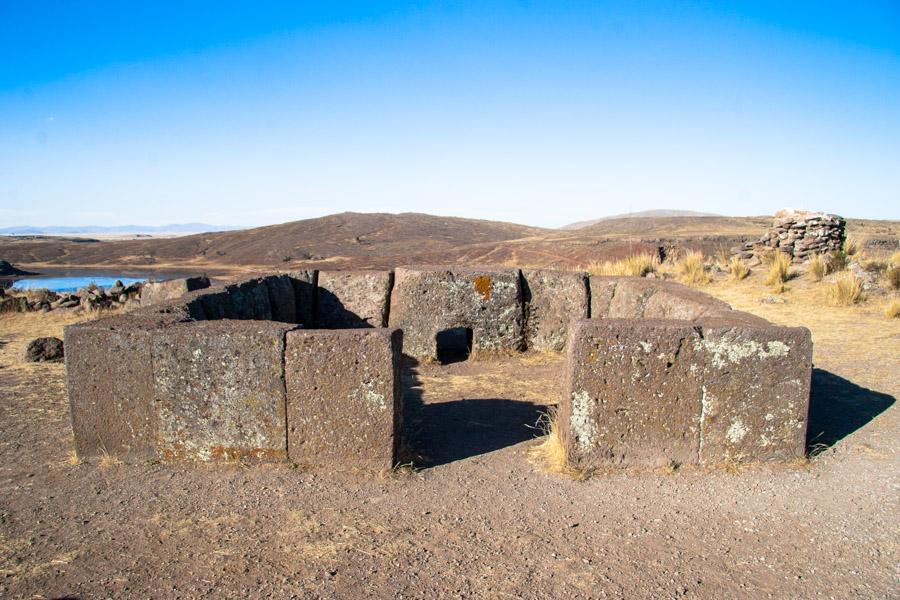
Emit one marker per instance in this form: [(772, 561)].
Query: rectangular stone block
[(428, 300), (109, 375), (249, 300), (755, 392), (343, 397), (353, 299), (632, 398), (305, 282), (155, 292), (552, 299), (652, 392), (648, 298), (219, 389)]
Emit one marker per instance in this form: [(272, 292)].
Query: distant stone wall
[(799, 234)]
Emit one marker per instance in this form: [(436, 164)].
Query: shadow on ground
[(838, 407), (443, 432)]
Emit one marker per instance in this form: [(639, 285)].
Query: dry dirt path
[(478, 522)]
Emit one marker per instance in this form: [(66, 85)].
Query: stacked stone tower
[(799, 234)]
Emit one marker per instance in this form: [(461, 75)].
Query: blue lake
[(70, 284)]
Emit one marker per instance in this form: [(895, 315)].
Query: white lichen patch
[(647, 346), (725, 351), (369, 394), (736, 431), (583, 426)]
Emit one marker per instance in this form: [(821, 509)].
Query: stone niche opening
[(454, 344)]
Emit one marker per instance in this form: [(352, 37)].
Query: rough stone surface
[(249, 300), (428, 300), (44, 349), (109, 375), (631, 397), (219, 389), (12, 304), (552, 299), (343, 397), (155, 292), (353, 299), (642, 298), (755, 389), (655, 392)]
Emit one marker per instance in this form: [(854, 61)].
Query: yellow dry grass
[(817, 267), (550, 455), (779, 271), (638, 265), (738, 269), (846, 290), (892, 311), (851, 246), (691, 270)]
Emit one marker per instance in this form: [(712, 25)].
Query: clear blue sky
[(539, 113)]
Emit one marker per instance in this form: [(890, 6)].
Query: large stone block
[(755, 389), (219, 389), (644, 298), (652, 392), (305, 282), (109, 374), (353, 299), (155, 292), (428, 300), (343, 397), (249, 300), (632, 397), (552, 299)]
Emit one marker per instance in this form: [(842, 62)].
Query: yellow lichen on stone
[(483, 286)]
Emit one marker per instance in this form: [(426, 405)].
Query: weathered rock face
[(155, 292), (219, 389), (109, 373), (427, 301), (799, 234), (652, 392), (641, 298), (551, 300), (353, 299), (343, 397), (44, 349)]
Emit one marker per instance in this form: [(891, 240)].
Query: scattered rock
[(44, 349), (773, 300), (799, 234)]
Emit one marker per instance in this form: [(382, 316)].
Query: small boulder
[(45, 349)]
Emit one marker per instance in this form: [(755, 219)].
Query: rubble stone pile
[(799, 234)]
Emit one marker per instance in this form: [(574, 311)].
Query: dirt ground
[(476, 519)]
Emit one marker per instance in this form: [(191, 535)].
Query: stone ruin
[(799, 234), (305, 366)]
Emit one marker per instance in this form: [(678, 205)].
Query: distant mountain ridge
[(133, 229), (642, 214)]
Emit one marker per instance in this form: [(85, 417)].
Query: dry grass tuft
[(738, 269), (893, 277), (893, 309), (107, 459), (638, 265), (550, 454), (846, 290), (838, 261), (851, 246), (779, 271), (895, 259), (691, 270), (817, 267), (72, 458)]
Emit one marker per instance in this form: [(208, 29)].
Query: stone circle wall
[(305, 366)]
